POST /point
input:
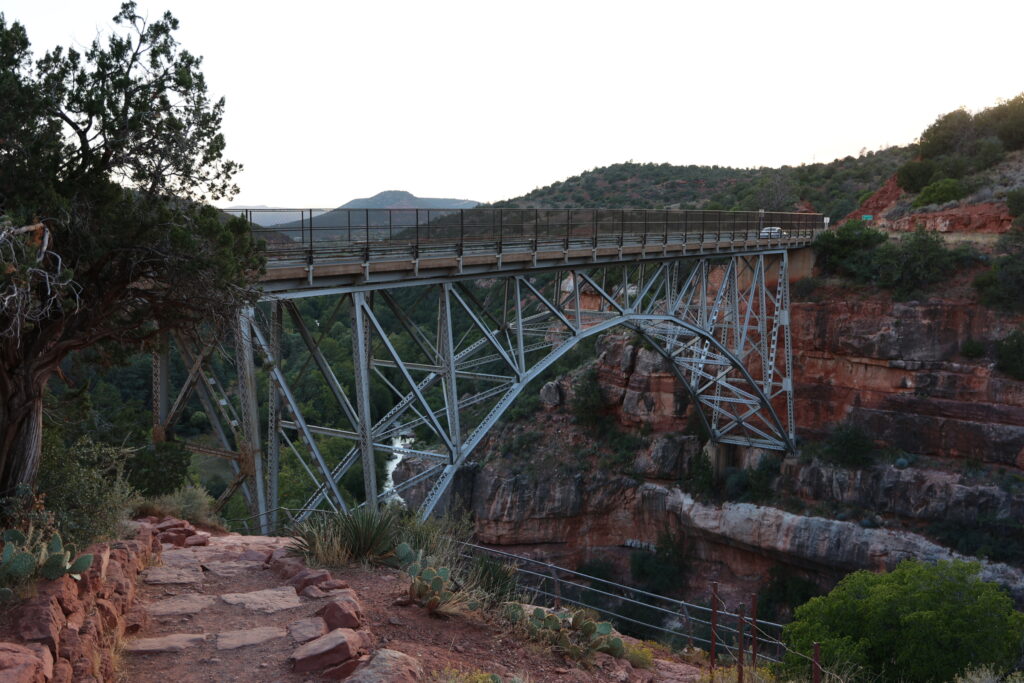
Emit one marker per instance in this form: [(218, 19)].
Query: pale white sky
[(485, 100)]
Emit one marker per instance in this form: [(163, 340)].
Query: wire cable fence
[(644, 614), (734, 637)]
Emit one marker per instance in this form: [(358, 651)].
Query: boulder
[(551, 394), (388, 666), (309, 577), (335, 647), (20, 664), (343, 611)]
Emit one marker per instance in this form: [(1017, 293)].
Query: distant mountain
[(338, 223), (400, 199), (268, 216)]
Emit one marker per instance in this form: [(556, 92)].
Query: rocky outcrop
[(894, 368), (639, 386), (570, 519), (911, 494)]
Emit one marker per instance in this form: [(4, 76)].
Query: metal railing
[(380, 234)]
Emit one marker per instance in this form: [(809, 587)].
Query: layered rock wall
[(895, 369)]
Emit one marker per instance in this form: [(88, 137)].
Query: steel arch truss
[(447, 358)]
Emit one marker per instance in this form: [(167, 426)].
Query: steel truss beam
[(447, 358)]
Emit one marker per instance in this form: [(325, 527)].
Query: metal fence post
[(753, 630), (714, 622), (816, 664), (739, 647)]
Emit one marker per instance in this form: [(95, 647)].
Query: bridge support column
[(252, 456), (361, 368)]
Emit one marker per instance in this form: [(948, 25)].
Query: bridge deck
[(368, 249)]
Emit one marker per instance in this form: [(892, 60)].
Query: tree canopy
[(919, 622), (107, 158)]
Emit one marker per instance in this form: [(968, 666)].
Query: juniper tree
[(107, 157)]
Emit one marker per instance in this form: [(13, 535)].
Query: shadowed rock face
[(894, 369), (573, 518)]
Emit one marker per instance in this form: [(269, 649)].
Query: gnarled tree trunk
[(21, 429)]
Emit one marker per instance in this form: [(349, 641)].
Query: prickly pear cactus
[(25, 555), (571, 634)]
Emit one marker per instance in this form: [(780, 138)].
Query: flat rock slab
[(266, 601), (305, 630), (173, 575), (181, 604), (230, 640), (228, 569), (173, 643)]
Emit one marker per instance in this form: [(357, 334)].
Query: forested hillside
[(834, 188)]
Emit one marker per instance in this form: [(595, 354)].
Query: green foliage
[(913, 176), (190, 502), (917, 262), (30, 555), (570, 633), (431, 587), (86, 490), (494, 579), (972, 348), (920, 622), (1010, 354), (1002, 286), (335, 539), (640, 656), (997, 539), (588, 406), (947, 135), (700, 479), (158, 469), (664, 571), (940, 192), (847, 250), (113, 151), (806, 289), (1015, 201), (784, 592), (846, 445)]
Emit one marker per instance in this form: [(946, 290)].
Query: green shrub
[(972, 348), (587, 401), (158, 469), (439, 537), (1015, 201), (1010, 354), (947, 135), (494, 579), (847, 445), (784, 592), (806, 289), (639, 656), (1002, 285), (914, 176), (941, 191), (917, 262), (920, 622), (664, 571), (847, 249), (85, 490), (997, 539), (700, 479), (190, 502)]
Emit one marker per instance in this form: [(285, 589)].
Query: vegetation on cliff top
[(919, 622)]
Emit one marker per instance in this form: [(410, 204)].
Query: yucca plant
[(333, 540)]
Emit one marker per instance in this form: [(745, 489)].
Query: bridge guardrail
[(381, 234)]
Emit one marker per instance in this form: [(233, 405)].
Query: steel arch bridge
[(451, 315)]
